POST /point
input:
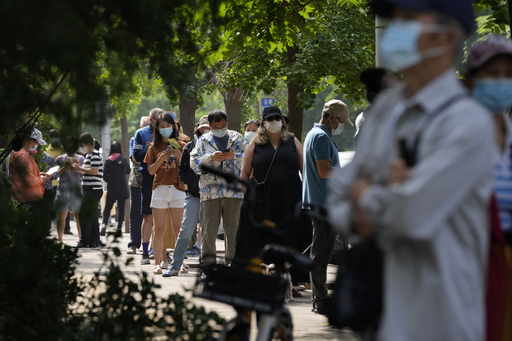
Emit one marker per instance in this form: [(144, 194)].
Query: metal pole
[(380, 26)]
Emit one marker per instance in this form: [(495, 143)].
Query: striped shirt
[(503, 181), (93, 160)]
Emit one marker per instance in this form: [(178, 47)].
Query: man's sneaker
[(171, 272), (131, 251), (145, 259), (68, 232), (194, 251), (81, 246)]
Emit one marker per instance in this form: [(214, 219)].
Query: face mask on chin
[(399, 45)]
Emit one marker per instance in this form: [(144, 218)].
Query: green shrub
[(41, 296)]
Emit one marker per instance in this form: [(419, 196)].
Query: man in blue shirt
[(142, 141), (320, 158)]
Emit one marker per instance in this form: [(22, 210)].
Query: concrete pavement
[(307, 325)]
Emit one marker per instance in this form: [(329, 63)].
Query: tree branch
[(300, 8)]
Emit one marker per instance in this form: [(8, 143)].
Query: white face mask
[(83, 150), (273, 126), (338, 130), (398, 47), (249, 135), (206, 131), (220, 132)]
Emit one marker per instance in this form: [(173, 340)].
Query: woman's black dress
[(276, 201)]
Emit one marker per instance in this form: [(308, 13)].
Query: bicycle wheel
[(236, 329), (285, 330)]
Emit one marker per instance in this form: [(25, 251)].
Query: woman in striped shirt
[(92, 186), (489, 76)]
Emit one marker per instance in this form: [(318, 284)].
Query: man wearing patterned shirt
[(221, 148)]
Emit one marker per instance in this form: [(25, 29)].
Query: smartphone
[(226, 150)]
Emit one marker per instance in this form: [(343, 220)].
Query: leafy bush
[(41, 296)]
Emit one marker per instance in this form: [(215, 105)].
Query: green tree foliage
[(75, 42), (302, 43), (494, 16)]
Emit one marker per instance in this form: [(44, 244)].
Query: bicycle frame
[(246, 289)]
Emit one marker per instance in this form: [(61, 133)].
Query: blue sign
[(265, 102)]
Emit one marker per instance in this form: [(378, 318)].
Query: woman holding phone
[(168, 197)]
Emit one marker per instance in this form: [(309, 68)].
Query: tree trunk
[(188, 104), (125, 143), (233, 104), (295, 111)]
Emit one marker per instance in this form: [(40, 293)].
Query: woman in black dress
[(274, 158)]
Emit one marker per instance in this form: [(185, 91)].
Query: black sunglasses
[(272, 118)]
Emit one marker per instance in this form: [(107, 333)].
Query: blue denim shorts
[(69, 197)]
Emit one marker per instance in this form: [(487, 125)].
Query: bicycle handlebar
[(282, 254), (250, 195), (230, 178)]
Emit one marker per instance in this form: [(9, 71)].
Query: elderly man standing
[(320, 158), (221, 148), (421, 179)]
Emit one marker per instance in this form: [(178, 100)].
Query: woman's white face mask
[(273, 126)]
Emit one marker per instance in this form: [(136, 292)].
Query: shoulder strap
[(271, 163), (410, 155)]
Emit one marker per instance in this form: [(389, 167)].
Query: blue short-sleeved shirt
[(142, 140), (318, 145)]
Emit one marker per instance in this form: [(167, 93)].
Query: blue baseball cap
[(461, 10)]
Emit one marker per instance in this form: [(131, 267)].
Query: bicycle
[(247, 289)]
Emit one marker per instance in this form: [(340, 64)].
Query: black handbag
[(358, 287)]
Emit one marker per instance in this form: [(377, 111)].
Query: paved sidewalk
[(307, 325)]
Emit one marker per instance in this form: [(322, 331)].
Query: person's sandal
[(157, 270)]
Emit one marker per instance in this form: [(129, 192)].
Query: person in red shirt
[(26, 181)]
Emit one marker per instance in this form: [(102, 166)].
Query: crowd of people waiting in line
[(430, 182)]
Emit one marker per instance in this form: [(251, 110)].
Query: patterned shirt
[(211, 186), (49, 162)]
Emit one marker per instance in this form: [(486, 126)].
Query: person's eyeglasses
[(272, 118)]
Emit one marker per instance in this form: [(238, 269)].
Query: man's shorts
[(69, 197), (167, 196), (146, 191)]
